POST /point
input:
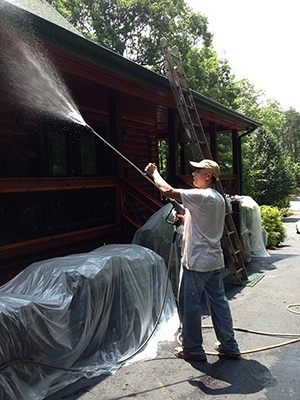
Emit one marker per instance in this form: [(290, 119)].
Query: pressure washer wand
[(120, 154), (178, 207)]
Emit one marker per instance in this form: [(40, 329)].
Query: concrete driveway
[(271, 374)]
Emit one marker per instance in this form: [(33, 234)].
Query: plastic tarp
[(86, 312), (157, 234), (252, 232)]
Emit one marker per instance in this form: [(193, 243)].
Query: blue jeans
[(193, 285)]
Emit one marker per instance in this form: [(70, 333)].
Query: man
[(202, 260)]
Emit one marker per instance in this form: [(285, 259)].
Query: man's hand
[(150, 169), (165, 189), (179, 219)]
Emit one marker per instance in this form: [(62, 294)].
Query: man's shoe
[(222, 350), (180, 353)]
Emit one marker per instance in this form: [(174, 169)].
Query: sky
[(260, 40)]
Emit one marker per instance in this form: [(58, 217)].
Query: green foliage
[(291, 136), (224, 144), (271, 218), (133, 28), (268, 171), (210, 75), (249, 100), (163, 151), (268, 176), (296, 168)]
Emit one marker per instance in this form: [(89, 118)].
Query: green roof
[(42, 9)]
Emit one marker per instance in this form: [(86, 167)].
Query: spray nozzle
[(177, 206)]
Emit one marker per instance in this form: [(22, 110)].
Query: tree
[(133, 28), (268, 170), (291, 134), (269, 176), (210, 75), (249, 100)]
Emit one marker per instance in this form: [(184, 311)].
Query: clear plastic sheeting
[(252, 232), (157, 235), (85, 312)]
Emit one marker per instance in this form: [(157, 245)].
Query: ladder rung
[(174, 55), (236, 252), (179, 74), (191, 142), (196, 124), (185, 90)]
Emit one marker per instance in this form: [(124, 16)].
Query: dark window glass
[(26, 216), (88, 156), (58, 159), (53, 148)]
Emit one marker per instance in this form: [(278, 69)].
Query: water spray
[(37, 84)]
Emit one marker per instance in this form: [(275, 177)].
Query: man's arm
[(165, 189)]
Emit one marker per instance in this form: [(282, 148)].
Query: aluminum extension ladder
[(198, 146)]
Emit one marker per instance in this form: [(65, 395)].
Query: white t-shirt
[(203, 229)]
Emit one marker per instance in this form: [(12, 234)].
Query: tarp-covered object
[(85, 311), (252, 231), (157, 235)]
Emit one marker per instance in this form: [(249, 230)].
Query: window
[(26, 216), (88, 155), (58, 157)]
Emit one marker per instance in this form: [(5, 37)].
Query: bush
[(271, 219)]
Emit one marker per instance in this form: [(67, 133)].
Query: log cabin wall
[(139, 135)]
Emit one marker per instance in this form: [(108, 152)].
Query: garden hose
[(289, 307), (296, 335), (163, 302)]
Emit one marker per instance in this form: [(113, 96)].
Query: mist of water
[(34, 82)]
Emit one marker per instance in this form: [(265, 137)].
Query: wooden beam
[(173, 144), (213, 140), (235, 155), (21, 185), (115, 131), (19, 249)]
